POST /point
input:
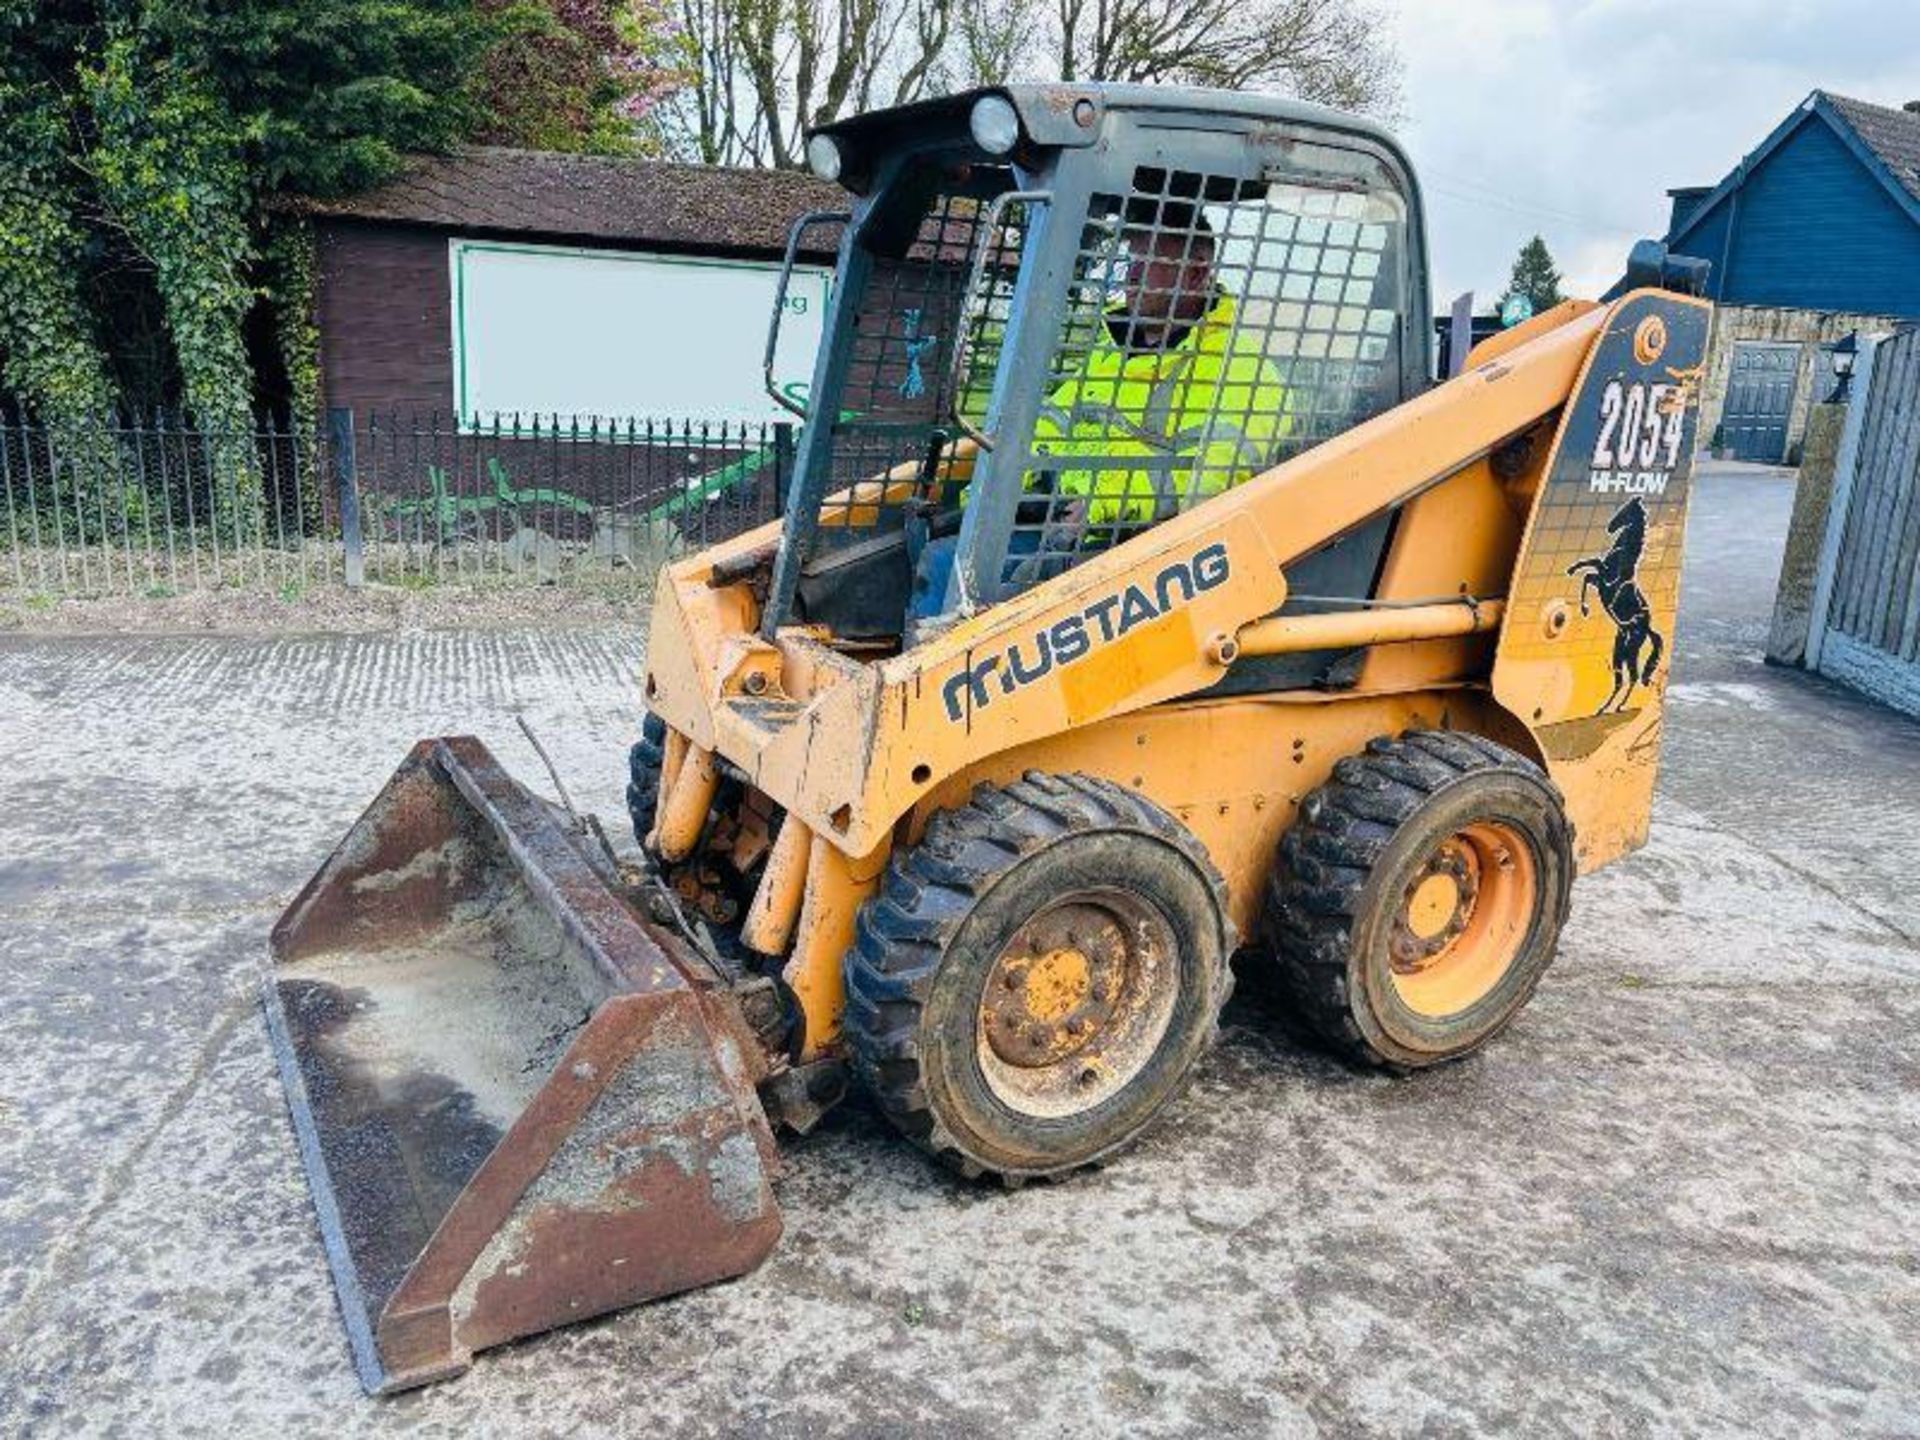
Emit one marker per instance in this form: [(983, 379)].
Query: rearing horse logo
[(1612, 575)]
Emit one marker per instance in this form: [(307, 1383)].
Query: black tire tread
[(643, 775), (1326, 857), (902, 932)]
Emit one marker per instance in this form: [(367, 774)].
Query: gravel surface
[(1678, 1196), (328, 608)]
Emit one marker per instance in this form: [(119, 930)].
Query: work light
[(823, 157), (995, 126)]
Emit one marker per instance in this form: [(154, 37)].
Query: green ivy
[(48, 349), (290, 281), (167, 164)]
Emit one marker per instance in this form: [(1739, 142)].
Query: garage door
[(1759, 399)]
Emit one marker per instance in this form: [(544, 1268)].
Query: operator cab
[(1061, 314)]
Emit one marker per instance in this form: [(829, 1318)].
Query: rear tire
[(643, 775), (1419, 897), (1037, 979)]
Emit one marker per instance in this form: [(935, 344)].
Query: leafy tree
[(576, 74), (1534, 277), (329, 95), (142, 141)]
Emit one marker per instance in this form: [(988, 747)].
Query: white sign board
[(543, 330)]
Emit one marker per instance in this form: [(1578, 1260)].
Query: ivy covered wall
[(143, 144)]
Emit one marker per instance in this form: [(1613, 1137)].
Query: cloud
[(1572, 120)]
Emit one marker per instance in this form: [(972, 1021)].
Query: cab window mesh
[(1215, 326), (901, 386)]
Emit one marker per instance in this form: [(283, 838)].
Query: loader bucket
[(519, 1105)]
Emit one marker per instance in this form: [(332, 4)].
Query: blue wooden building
[(1815, 233)]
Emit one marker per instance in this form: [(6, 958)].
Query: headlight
[(823, 157), (995, 126)]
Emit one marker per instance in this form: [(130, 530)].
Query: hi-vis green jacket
[(1211, 410)]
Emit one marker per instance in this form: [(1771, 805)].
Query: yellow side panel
[(1606, 534), (1234, 771), (851, 747), (1458, 538)]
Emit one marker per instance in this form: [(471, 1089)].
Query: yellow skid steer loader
[(1138, 595)]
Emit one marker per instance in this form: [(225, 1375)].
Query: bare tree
[(996, 40), (1332, 51), (699, 120), (764, 72)]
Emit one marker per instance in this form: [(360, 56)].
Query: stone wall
[(1810, 329), (1812, 500)]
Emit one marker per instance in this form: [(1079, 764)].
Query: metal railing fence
[(157, 505)]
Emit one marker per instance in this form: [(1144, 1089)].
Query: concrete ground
[(1679, 1196)]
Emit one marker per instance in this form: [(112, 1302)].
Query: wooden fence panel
[(1894, 472), (1871, 636), (1867, 517)]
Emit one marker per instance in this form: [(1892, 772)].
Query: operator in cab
[(1172, 378), (1166, 376)]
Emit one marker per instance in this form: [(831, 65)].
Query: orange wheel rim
[(1463, 919), (1077, 1003)]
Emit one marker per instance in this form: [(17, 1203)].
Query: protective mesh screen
[(893, 437), (1215, 327)]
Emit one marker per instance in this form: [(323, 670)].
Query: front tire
[(1419, 897), (1037, 979)]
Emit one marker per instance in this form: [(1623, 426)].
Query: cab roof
[(1059, 114)]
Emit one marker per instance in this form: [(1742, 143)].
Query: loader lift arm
[(951, 692)]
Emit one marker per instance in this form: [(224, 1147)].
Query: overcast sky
[(1572, 118)]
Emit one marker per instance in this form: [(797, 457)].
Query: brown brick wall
[(384, 305), (385, 310), (385, 317)]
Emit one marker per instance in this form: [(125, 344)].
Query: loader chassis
[(855, 747), (1079, 660)]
